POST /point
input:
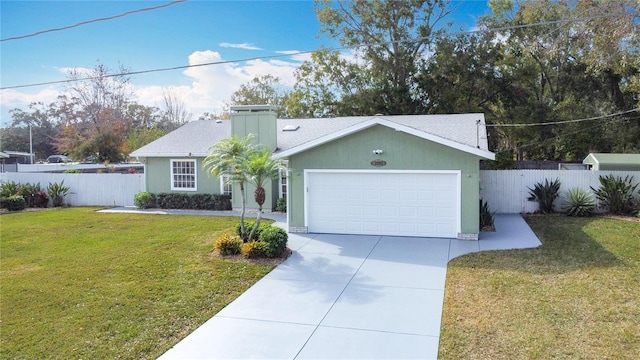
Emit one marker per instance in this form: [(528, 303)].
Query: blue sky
[(178, 35)]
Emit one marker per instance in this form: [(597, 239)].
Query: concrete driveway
[(345, 297)]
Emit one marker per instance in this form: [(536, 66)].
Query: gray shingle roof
[(193, 138), (196, 137)]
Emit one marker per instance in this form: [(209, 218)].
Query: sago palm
[(259, 168), (228, 158)]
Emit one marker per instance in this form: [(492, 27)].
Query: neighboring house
[(613, 162), (404, 175)]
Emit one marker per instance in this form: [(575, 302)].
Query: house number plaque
[(378, 163)]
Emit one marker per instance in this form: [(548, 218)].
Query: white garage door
[(383, 203)]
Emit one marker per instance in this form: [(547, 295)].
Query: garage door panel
[(383, 203)]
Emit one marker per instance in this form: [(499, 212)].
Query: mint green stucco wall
[(158, 176), (158, 180), (401, 152)]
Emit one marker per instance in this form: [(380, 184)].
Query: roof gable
[(400, 124), (608, 158)]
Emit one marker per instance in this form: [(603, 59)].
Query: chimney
[(259, 120)]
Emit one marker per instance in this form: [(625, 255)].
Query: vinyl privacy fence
[(88, 189), (506, 191)]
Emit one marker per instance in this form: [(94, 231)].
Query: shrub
[(57, 192), (275, 240), (617, 194), (72, 171), (42, 200), (248, 225), (254, 250), (13, 203), (228, 245), (486, 216), (578, 203), (9, 188), (30, 193), (281, 204), (545, 194), (172, 201), (144, 200)]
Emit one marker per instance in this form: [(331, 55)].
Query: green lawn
[(76, 284), (575, 297)]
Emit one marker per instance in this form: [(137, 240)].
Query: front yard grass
[(76, 284), (575, 297)]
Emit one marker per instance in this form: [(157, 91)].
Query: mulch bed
[(261, 261)]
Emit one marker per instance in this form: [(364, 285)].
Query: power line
[(498, 29), (564, 122), (93, 21), (567, 133)]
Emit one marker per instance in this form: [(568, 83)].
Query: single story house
[(612, 162), (403, 175)]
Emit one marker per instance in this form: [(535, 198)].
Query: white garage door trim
[(458, 196)]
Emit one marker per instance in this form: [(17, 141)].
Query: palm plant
[(579, 203), (227, 158), (545, 194), (259, 168), (617, 194)]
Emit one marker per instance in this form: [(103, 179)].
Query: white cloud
[(243, 46), (296, 55), (13, 98), (211, 85)]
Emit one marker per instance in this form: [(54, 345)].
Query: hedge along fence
[(88, 189), (506, 191)]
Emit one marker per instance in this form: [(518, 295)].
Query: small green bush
[(8, 188), (281, 204), (254, 250), (57, 192), (228, 245), (13, 203), (545, 194), (30, 193), (144, 200), (579, 203), (72, 171), (248, 225), (617, 194), (276, 240)]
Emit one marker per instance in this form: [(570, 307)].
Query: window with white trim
[(184, 175), (282, 184), (226, 187)]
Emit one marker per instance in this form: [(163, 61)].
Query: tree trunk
[(257, 224), (243, 231)]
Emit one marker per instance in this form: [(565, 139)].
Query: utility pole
[(30, 145)]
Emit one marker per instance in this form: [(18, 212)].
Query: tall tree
[(43, 130), (559, 70), (391, 36), (94, 120), (175, 113), (262, 90)]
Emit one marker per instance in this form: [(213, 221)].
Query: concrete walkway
[(343, 297)]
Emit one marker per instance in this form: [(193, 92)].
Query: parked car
[(58, 159)]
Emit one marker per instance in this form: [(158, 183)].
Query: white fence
[(88, 189), (506, 191)]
